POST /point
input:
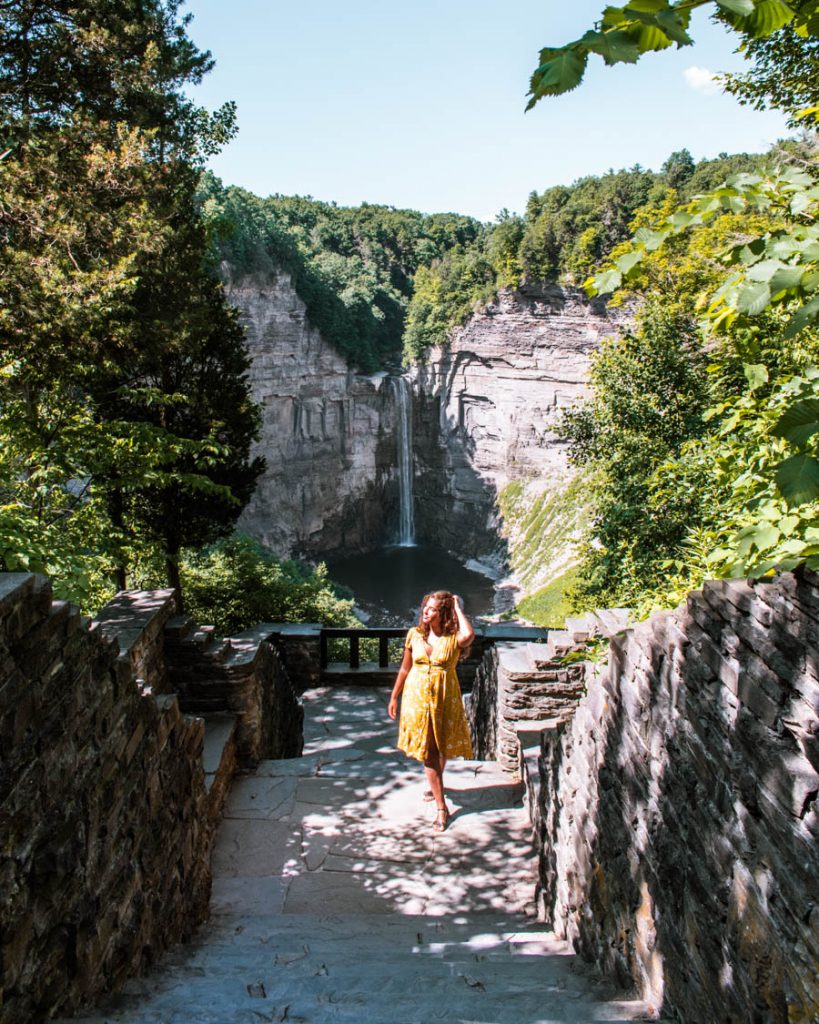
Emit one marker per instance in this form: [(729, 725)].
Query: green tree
[(784, 71), (237, 582), (98, 220), (651, 391)]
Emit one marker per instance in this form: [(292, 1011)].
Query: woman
[(433, 724)]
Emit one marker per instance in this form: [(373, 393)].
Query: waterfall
[(403, 408)]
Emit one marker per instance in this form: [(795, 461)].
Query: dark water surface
[(388, 584)]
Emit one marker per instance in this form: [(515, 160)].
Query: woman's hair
[(449, 620)]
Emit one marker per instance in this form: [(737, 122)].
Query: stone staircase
[(167, 652), (335, 901), (538, 686)]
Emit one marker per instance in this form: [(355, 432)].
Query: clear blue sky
[(421, 105)]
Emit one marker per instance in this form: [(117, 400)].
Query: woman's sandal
[(428, 796), (441, 820)]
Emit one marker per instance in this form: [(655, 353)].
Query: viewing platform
[(371, 657)]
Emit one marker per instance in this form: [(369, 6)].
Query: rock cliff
[(328, 434), (487, 402), (483, 410)]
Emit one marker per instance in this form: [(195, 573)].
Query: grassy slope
[(542, 529)]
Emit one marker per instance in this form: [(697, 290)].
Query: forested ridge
[(354, 267), (377, 281)]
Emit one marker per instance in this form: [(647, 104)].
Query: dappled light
[(334, 899)]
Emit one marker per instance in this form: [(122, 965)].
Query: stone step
[(560, 644), (374, 968), (219, 759), (581, 629), (179, 628), (334, 899), (613, 620)]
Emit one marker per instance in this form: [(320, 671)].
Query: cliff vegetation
[(353, 267), (703, 425)]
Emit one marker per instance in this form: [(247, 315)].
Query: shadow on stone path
[(333, 899)]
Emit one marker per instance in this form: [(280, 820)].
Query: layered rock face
[(486, 405), (482, 416), (328, 434)]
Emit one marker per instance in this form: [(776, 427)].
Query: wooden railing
[(484, 636), (355, 636)]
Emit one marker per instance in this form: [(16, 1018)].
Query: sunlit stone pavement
[(334, 900)]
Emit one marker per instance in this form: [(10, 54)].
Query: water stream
[(403, 408), (388, 583)]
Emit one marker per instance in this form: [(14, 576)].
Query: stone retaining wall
[(678, 808), (137, 619), (519, 688), (106, 835)]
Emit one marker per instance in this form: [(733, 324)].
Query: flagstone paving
[(335, 901)]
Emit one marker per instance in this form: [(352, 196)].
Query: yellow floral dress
[(432, 699)]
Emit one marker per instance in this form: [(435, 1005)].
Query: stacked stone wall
[(520, 689), (105, 824), (677, 814)]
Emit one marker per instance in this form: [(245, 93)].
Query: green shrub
[(237, 583)]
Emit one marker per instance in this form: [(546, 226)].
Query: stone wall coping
[(499, 631), (307, 629), (517, 664), (512, 658), (13, 584), (130, 612), (245, 645)]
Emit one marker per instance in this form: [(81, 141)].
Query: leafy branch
[(624, 34), (777, 268)]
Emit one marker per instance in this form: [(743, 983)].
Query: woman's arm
[(465, 631), (403, 671)]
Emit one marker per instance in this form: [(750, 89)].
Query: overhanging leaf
[(675, 27), (616, 46), (756, 374), (741, 7), (768, 16), (628, 261), (560, 71), (651, 38), (753, 298), (799, 422), (786, 278), (607, 282), (802, 318), (798, 479)]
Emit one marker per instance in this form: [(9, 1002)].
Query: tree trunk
[(174, 579), (117, 512)]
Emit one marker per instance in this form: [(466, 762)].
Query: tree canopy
[(731, 487), (112, 326)]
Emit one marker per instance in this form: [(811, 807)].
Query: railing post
[(323, 650), (383, 651), (354, 652)]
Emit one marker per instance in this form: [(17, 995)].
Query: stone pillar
[(299, 644)]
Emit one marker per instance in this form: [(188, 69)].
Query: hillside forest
[(122, 463)]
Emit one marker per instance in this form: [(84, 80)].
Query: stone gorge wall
[(482, 411), (678, 815), (485, 403), (328, 434)]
